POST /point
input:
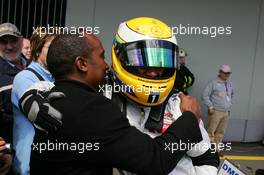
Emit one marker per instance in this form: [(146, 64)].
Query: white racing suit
[(138, 116)]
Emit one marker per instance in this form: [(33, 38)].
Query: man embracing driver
[(144, 55)]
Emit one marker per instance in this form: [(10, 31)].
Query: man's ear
[(81, 63)]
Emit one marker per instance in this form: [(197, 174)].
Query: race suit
[(200, 160)]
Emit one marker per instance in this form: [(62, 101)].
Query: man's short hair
[(63, 51)]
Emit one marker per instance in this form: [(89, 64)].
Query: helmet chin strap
[(155, 119), (156, 115)]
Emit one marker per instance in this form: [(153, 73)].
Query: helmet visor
[(149, 53)]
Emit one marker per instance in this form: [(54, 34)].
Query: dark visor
[(149, 53)]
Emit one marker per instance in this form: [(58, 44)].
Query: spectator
[(185, 77), (217, 96), (11, 63), (36, 71), (26, 49)]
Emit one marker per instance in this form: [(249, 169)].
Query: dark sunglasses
[(226, 73)]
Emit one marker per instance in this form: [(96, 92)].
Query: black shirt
[(184, 79)]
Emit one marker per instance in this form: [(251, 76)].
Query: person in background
[(185, 77), (36, 71), (217, 97), (11, 63), (26, 49)]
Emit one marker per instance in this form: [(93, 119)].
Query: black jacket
[(7, 75), (184, 79), (92, 119)]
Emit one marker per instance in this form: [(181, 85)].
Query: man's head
[(77, 58), (144, 60), (10, 42), (224, 72), (26, 50), (182, 55)]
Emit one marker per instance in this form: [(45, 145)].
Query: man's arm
[(34, 103), (206, 95), (205, 160), (232, 93), (204, 157), (137, 152), (125, 147)]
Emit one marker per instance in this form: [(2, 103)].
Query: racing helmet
[(144, 43)]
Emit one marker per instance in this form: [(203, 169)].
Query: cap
[(225, 68), (9, 29)]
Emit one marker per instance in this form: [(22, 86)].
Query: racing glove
[(35, 104)]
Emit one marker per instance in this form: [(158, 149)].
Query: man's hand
[(211, 111), (189, 103), (36, 106), (2, 144), (5, 159)]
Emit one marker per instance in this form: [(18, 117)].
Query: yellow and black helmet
[(144, 43)]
